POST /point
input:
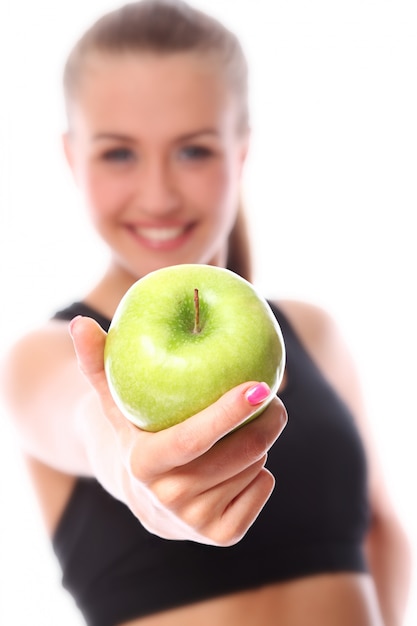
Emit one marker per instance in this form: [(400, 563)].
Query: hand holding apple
[(184, 335), (185, 482)]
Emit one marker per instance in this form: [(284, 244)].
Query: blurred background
[(331, 193)]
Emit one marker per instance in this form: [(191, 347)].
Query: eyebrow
[(112, 136), (107, 136), (197, 133)]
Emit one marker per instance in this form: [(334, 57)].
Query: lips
[(157, 235), (161, 237)]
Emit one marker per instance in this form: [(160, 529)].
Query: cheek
[(104, 194), (217, 192)]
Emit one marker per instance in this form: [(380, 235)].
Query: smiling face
[(156, 149)]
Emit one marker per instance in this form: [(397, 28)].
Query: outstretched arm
[(197, 480)]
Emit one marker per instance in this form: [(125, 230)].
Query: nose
[(157, 191)]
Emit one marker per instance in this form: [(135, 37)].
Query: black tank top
[(314, 522)]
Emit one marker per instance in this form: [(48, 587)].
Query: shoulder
[(321, 336), (314, 325), (34, 359), (41, 346), (36, 374), (319, 333)]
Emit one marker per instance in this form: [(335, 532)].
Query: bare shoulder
[(34, 358), (321, 337), (35, 375), (314, 325), (323, 340)]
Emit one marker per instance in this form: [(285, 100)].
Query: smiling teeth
[(160, 234)]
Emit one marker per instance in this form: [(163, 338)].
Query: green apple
[(184, 335)]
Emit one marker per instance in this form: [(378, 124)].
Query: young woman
[(184, 526)]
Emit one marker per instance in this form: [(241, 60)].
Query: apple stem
[(197, 328)]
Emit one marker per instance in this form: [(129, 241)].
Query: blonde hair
[(166, 27)]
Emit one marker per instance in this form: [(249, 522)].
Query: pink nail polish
[(258, 393)]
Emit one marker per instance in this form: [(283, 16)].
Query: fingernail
[(258, 393), (72, 324)]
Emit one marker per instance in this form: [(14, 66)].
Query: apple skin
[(160, 372)]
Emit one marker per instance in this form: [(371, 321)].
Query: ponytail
[(239, 257)]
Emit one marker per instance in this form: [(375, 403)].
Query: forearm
[(44, 391), (389, 559), (55, 444), (46, 407), (101, 446)]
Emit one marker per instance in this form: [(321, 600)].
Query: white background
[(331, 192)]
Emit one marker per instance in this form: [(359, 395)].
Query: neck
[(110, 289), (116, 280)]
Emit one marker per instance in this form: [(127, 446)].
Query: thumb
[(89, 340)]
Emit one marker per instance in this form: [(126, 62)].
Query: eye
[(195, 153), (118, 155)]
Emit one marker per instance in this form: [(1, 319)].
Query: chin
[(145, 262)]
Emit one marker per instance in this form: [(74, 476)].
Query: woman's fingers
[(228, 477), (223, 514), (185, 442), (243, 510), (226, 459), (245, 494)]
